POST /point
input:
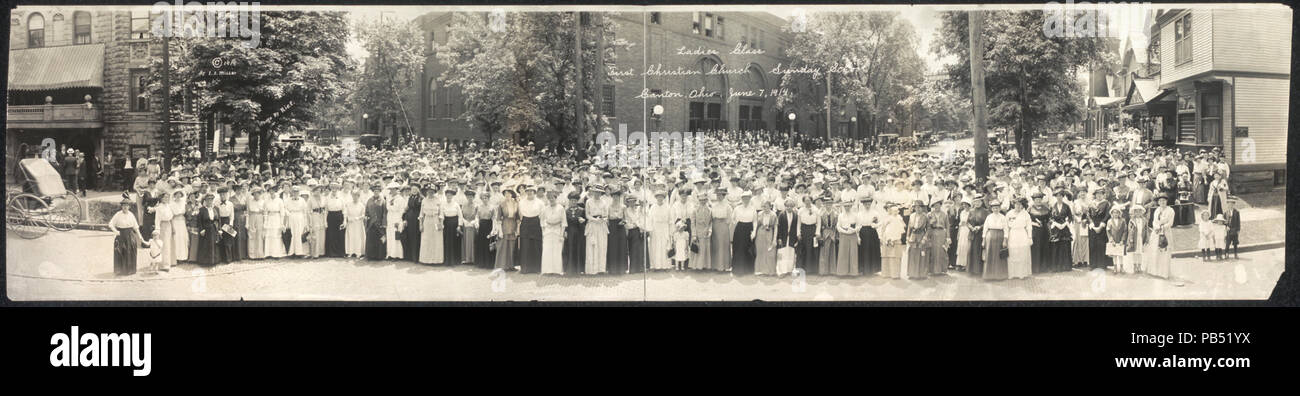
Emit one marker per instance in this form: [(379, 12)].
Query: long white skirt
[(180, 238), (390, 239), (553, 252), (297, 227), (659, 240), (354, 241), (597, 244)]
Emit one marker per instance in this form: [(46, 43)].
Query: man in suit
[(375, 217), (411, 242), (1233, 217), (787, 226), (71, 171)]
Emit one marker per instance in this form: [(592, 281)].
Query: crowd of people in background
[(750, 207)]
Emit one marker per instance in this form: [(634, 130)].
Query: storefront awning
[(1141, 92), (43, 69), (1104, 101)]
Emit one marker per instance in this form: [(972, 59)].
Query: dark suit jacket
[(210, 223), (375, 213), (1234, 221), (787, 228)]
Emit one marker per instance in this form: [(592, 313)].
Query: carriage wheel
[(23, 216), (65, 212)]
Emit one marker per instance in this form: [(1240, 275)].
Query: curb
[(1242, 248)]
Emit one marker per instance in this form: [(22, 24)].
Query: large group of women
[(749, 207)]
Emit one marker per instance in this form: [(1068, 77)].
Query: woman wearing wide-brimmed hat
[(993, 234), (128, 238), (918, 231), (892, 234)]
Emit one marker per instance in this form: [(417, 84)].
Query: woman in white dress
[(396, 207), (1020, 227), (597, 231), (180, 235), (1162, 222), (661, 229), (431, 228), (964, 239), (553, 223), (296, 220), (354, 212), (163, 227), (273, 215), (254, 225)]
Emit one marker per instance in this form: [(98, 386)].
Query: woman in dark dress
[(411, 236), (208, 233), (1098, 216), (806, 253), (869, 247), (1061, 248), (148, 199), (241, 222), (530, 233), (375, 218), (335, 235), (192, 226), (742, 237), (636, 241), (575, 243), (616, 253), (1040, 213), (484, 255), (126, 243), (507, 232)]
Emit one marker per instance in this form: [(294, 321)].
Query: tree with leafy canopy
[(941, 106), (521, 80), (396, 59), (1029, 77), (872, 57), (267, 89)]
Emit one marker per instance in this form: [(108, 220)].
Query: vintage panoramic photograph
[(1032, 152)]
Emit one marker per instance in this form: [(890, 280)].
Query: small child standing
[(681, 246), (155, 246), (1205, 229), (1218, 236)]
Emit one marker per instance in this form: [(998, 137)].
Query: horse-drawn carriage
[(41, 203)]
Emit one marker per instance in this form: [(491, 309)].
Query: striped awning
[(43, 69)]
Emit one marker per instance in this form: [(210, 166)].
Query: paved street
[(76, 266)]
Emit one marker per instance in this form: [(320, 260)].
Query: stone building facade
[(60, 56)]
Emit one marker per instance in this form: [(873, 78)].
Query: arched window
[(81, 27), (705, 110), (36, 31), (433, 98)]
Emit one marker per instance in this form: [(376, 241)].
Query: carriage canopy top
[(44, 179)]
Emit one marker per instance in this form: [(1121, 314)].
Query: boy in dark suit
[(1233, 218)]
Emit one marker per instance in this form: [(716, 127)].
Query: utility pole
[(170, 146), (976, 26), (598, 96), (578, 113)]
